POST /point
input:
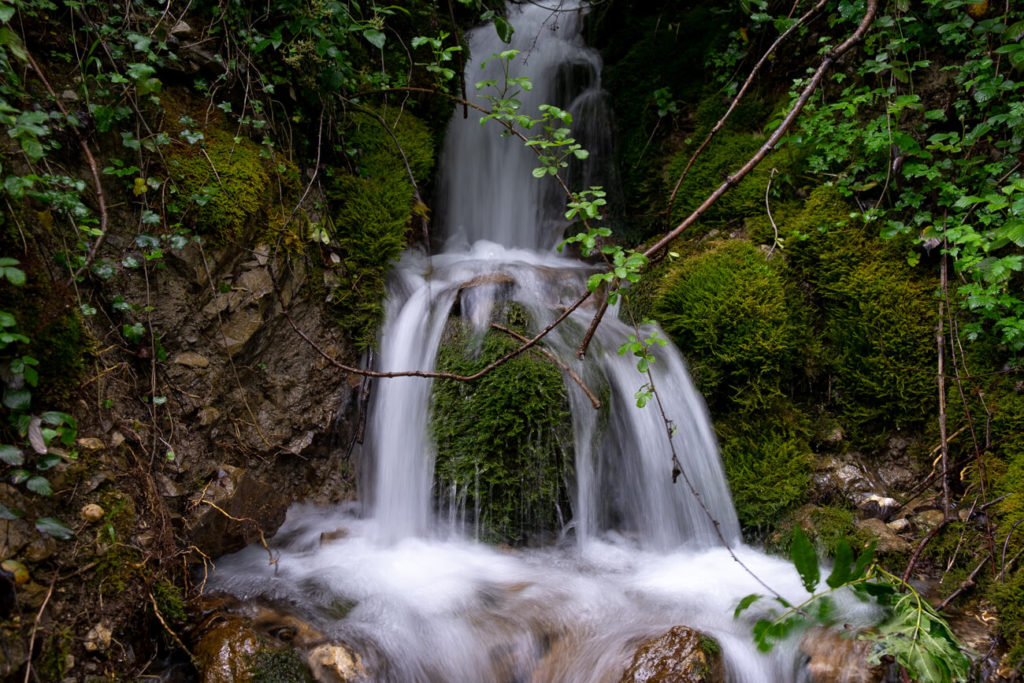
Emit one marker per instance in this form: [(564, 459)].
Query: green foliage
[(743, 328), (913, 633), (505, 440), (170, 600)]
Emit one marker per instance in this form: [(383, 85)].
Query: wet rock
[(191, 359), (13, 652), (682, 654), (336, 663), (926, 520), (41, 548), (844, 479), (898, 526), (224, 652), (880, 507), (838, 657), (888, 541), (233, 510), (98, 638), (15, 534)]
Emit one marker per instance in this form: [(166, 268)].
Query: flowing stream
[(411, 590)]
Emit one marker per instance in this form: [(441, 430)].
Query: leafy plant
[(913, 633)]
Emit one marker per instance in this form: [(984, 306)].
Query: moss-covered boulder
[(371, 212), (742, 327), (504, 442), (223, 184)]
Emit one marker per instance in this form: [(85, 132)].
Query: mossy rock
[(226, 185), (743, 328), (505, 440), (370, 214), (769, 473), (877, 316), (384, 140)]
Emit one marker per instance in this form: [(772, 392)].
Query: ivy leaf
[(18, 399), (8, 513), (805, 560), (54, 527), (47, 461), (12, 456), (375, 37), (40, 485)]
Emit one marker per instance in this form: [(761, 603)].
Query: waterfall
[(424, 603)]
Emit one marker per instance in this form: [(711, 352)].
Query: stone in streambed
[(836, 657), (681, 655)]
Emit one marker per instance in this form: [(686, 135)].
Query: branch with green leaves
[(913, 633)]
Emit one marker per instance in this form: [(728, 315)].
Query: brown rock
[(91, 512), (888, 541), (233, 510), (224, 652), (239, 328), (680, 655), (90, 443), (191, 359), (838, 657)]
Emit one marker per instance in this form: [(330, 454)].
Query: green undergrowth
[(504, 441), (371, 213)]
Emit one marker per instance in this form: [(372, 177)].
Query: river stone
[(880, 507), (835, 657), (15, 534), (336, 663), (224, 652), (680, 655), (232, 510), (926, 520), (888, 542)]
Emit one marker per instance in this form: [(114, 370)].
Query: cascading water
[(430, 604)]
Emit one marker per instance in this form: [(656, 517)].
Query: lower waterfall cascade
[(424, 600)]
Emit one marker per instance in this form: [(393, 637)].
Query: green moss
[(379, 151), (877, 317), (370, 214), (170, 600), (226, 185), (53, 661), (504, 440), (769, 474), (278, 666), (1007, 597), (742, 327)]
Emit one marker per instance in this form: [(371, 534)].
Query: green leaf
[(375, 37), (45, 462), (54, 527), (6, 12), (805, 560), (745, 603), (20, 476), (9, 513), (18, 399), (15, 276), (39, 485), (841, 571), (504, 29), (12, 456), (863, 560)]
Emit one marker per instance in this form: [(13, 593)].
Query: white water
[(643, 555)]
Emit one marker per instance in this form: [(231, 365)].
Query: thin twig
[(768, 208), (156, 611)]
